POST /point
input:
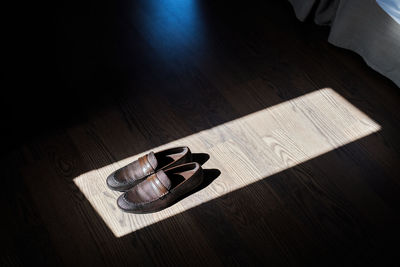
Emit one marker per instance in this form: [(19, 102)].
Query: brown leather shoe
[(133, 173), (161, 189)]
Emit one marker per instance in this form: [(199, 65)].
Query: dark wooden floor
[(164, 69)]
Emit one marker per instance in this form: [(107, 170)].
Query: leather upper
[(128, 176), (160, 189)]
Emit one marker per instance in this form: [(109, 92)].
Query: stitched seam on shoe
[(146, 202)]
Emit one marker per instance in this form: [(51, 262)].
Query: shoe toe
[(113, 183), (126, 205)]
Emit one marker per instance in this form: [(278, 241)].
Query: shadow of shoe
[(200, 158), (209, 175)]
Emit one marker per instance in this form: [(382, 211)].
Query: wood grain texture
[(302, 139), (244, 150)]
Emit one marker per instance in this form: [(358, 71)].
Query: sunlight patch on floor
[(245, 150)]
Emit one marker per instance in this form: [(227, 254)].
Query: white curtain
[(392, 7)]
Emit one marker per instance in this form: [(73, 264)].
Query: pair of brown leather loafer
[(156, 180)]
